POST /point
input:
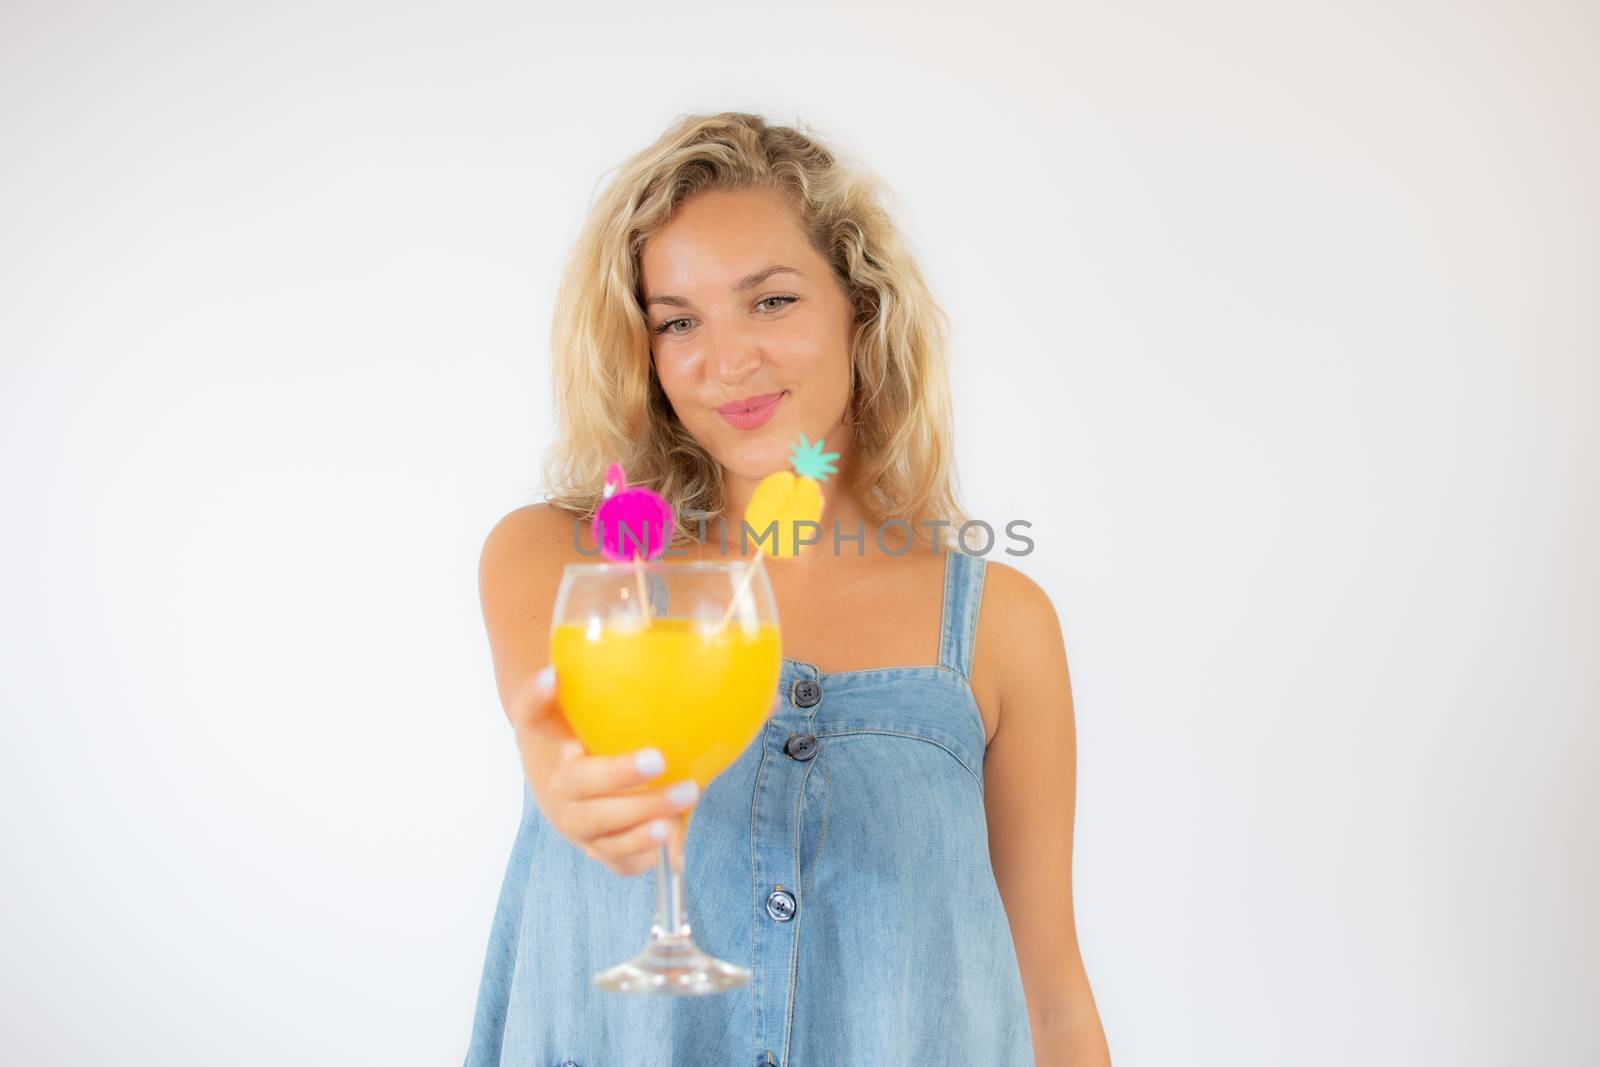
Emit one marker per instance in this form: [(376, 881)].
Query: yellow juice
[(698, 693)]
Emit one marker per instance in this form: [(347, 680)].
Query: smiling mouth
[(749, 403), (752, 411)]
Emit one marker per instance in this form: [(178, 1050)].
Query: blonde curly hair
[(610, 406)]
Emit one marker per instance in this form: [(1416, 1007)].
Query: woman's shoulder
[(1013, 597), (534, 529), (525, 550), (1019, 633)]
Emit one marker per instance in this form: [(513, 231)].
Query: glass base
[(675, 967)]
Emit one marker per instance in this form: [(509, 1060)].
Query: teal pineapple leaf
[(810, 461)]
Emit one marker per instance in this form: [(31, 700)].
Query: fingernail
[(545, 681), (658, 830), (650, 762), (683, 792)]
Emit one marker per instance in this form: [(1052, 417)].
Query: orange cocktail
[(698, 691)]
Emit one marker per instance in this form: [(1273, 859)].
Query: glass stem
[(669, 897)]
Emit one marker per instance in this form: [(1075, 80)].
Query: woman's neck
[(847, 529)]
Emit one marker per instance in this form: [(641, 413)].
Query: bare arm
[(1030, 785), (599, 803), (519, 570)]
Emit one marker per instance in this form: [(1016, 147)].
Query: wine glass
[(684, 658)]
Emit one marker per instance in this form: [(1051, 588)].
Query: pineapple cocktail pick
[(790, 499), (783, 500)]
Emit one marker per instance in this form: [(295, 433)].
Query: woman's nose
[(733, 356)]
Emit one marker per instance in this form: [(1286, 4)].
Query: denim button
[(780, 905), (805, 693), (800, 746)]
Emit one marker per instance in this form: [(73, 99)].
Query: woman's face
[(750, 357)]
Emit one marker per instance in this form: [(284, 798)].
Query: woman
[(899, 882)]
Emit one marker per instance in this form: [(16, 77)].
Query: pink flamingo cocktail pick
[(631, 525)]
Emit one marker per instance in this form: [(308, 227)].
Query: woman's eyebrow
[(748, 282)]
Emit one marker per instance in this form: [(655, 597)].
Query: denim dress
[(843, 858)]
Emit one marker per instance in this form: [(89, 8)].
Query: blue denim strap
[(963, 592)]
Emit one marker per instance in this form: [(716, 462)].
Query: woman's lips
[(750, 412)]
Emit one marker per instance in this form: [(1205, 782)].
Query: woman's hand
[(597, 802)]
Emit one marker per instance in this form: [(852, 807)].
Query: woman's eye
[(765, 303)]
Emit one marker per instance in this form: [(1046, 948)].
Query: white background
[(1277, 320)]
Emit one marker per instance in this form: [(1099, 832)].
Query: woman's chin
[(755, 455)]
